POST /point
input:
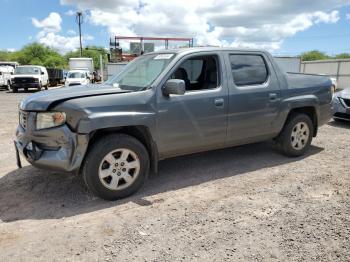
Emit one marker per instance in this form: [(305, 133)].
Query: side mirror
[(42, 73), (174, 87), (11, 73)]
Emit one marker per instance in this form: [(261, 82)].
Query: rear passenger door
[(254, 97)]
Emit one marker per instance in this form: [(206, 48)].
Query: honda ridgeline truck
[(166, 104)]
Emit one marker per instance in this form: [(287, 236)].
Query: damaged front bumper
[(56, 148), (340, 109)]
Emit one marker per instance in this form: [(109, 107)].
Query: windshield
[(27, 70), (141, 72), (76, 75)]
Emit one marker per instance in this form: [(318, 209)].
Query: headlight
[(36, 80), (342, 102), (50, 119)]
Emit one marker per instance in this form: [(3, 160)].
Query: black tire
[(26, 89), (14, 89), (284, 140), (94, 159), (40, 86), (47, 87)]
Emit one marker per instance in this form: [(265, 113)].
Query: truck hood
[(34, 76), (75, 80), (42, 101)]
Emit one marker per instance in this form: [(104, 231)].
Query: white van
[(77, 77), (29, 76), (5, 76)]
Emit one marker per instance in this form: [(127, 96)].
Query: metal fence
[(337, 68)]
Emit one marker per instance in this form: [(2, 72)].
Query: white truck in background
[(82, 63), (7, 68), (29, 76), (5, 76), (10, 64)]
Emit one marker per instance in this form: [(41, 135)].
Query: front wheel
[(116, 167), (296, 136)]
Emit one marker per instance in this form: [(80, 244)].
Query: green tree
[(314, 55), (55, 61), (91, 52), (342, 56), (4, 56), (38, 54)]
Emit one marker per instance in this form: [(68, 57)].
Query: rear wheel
[(116, 167), (296, 136)]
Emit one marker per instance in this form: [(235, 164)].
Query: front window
[(76, 75), (27, 70), (140, 74), (199, 73)]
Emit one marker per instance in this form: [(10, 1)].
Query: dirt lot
[(247, 203)]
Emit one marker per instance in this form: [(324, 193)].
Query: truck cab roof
[(207, 49)]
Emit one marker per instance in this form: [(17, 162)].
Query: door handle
[(273, 97), (219, 102)]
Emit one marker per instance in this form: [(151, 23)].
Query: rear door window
[(248, 70)]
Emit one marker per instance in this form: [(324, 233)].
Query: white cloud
[(70, 12), (88, 37), (330, 18), (49, 34), (52, 23), (71, 32), (248, 23), (59, 42), (348, 16)]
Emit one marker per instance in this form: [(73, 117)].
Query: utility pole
[(79, 20), (101, 67)]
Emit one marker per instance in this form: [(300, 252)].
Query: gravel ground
[(246, 203)]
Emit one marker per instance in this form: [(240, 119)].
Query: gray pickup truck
[(166, 104)]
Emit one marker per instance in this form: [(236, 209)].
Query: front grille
[(346, 101), (342, 115), (24, 80), (23, 119)]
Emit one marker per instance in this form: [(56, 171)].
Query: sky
[(287, 27)]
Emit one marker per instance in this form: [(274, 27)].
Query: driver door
[(196, 120)]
